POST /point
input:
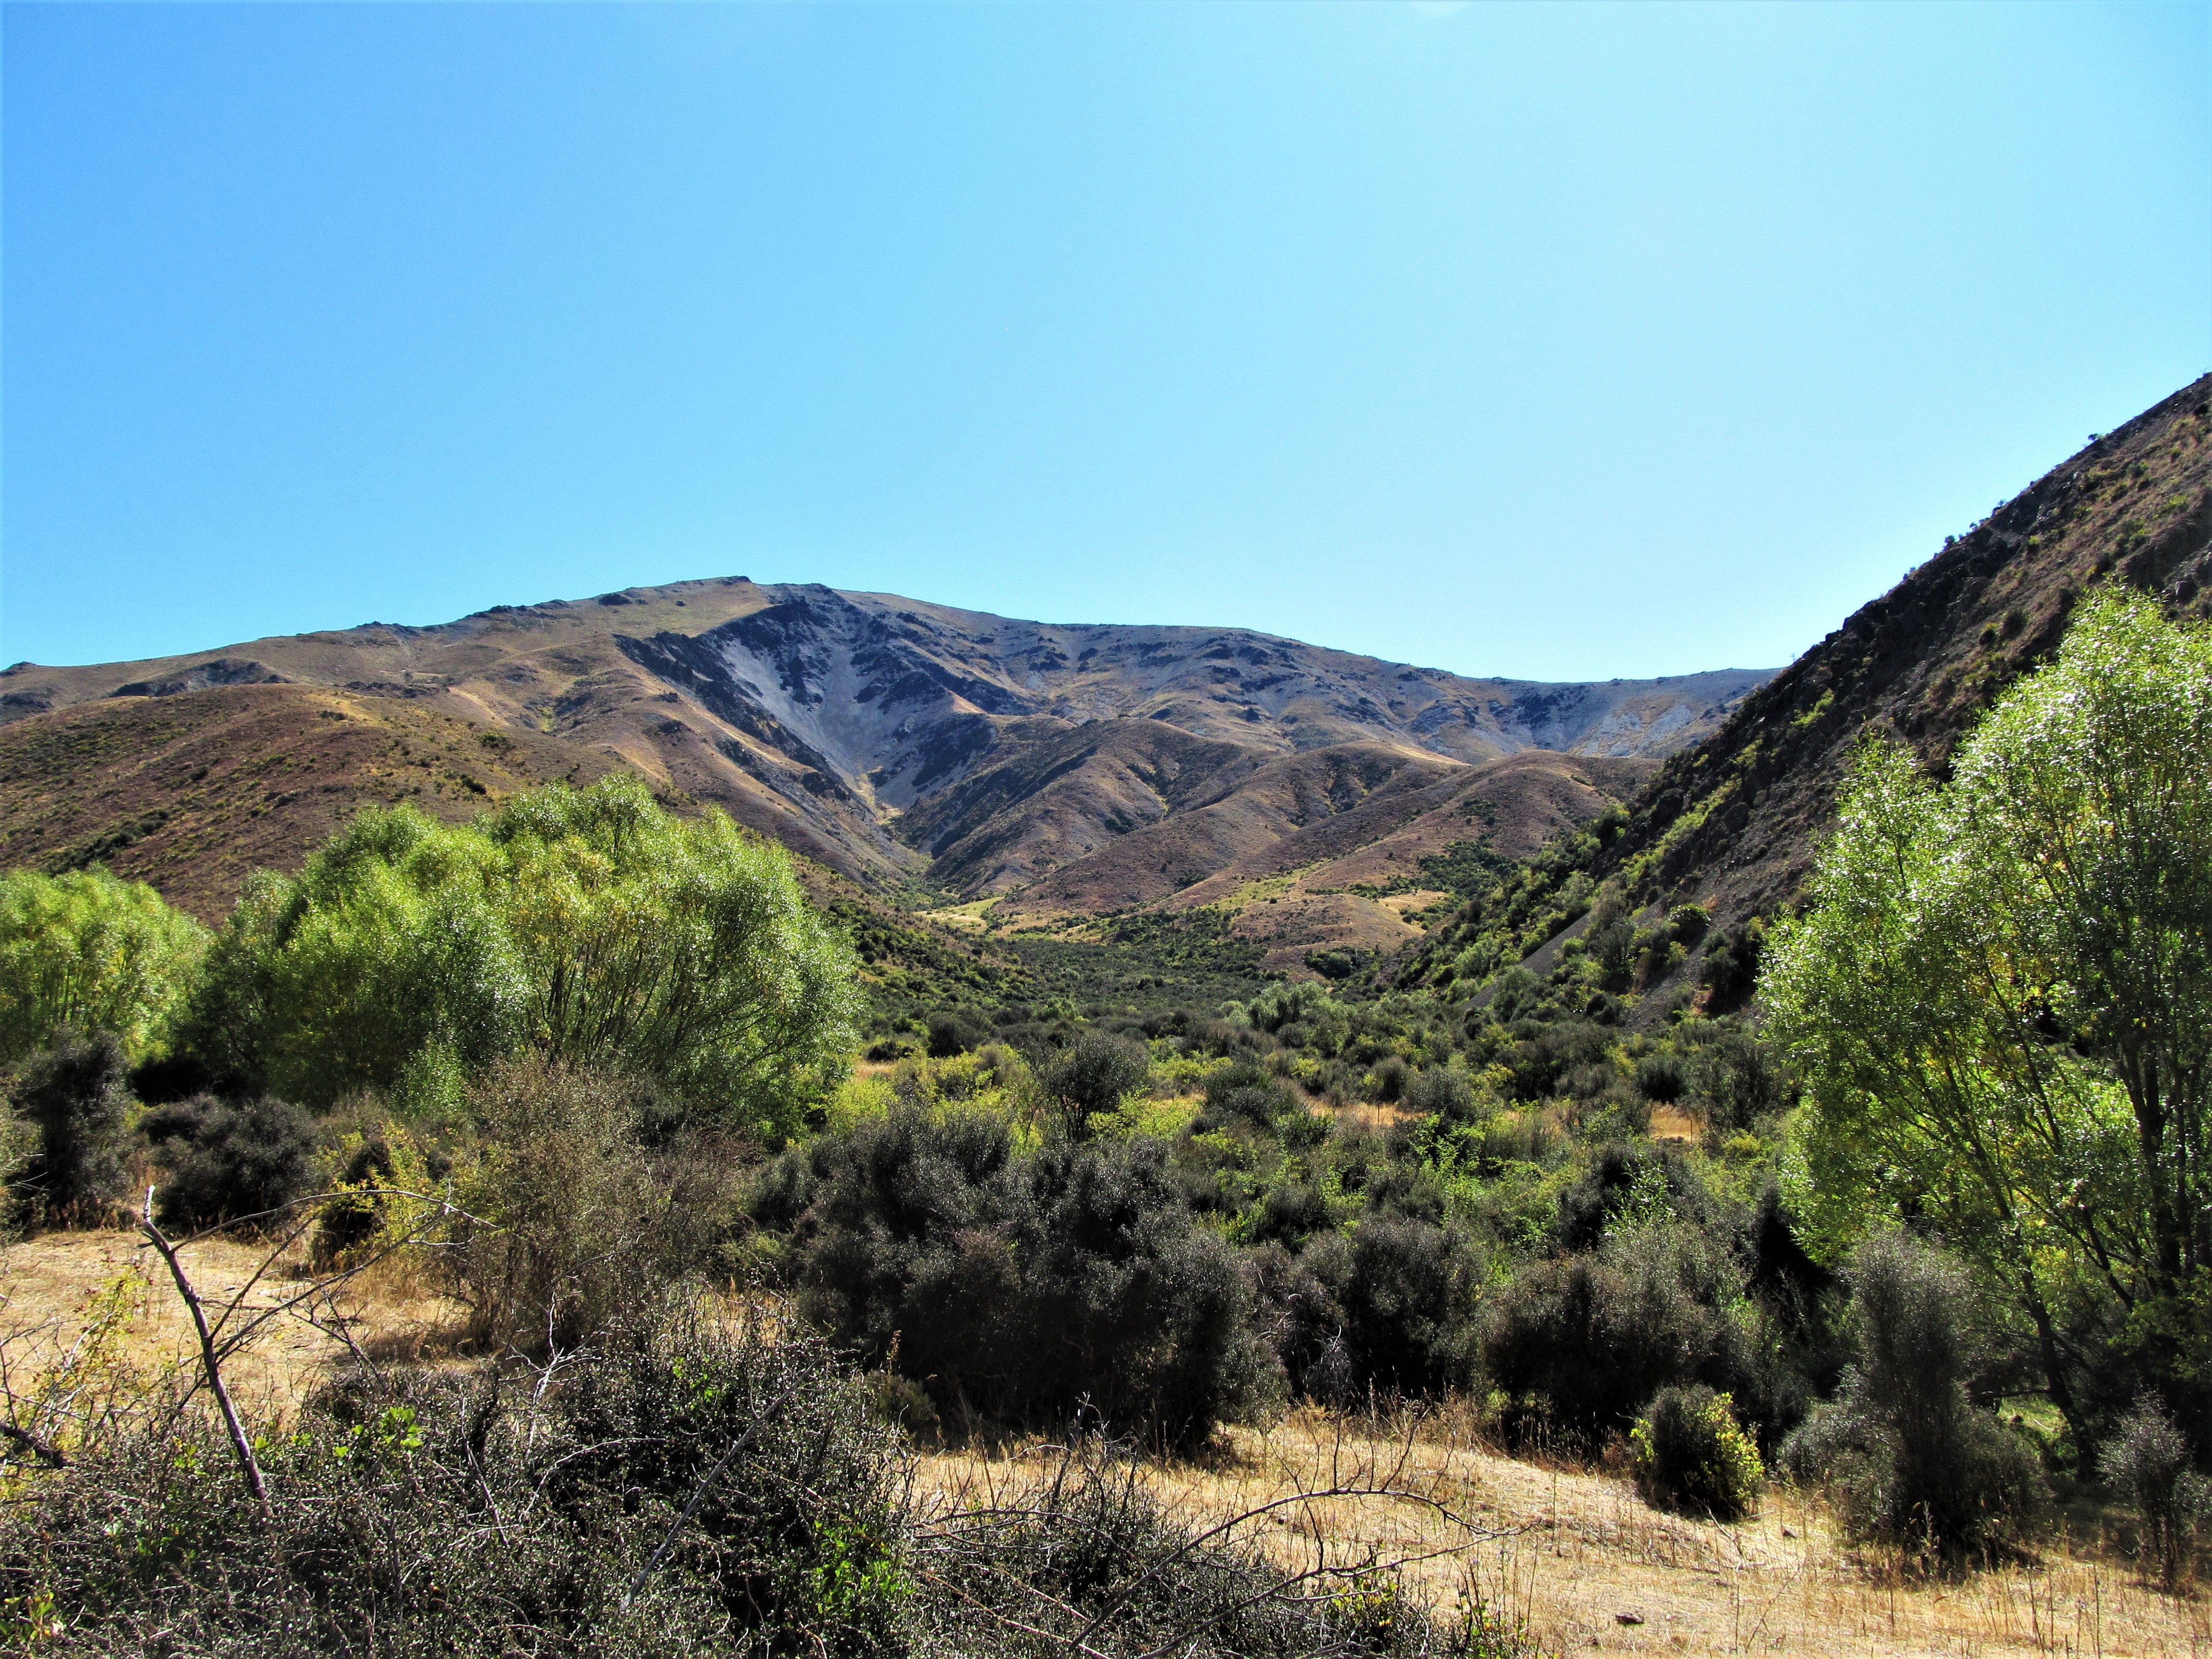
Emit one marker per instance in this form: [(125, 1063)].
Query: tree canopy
[(590, 925), (88, 950), (2001, 998)]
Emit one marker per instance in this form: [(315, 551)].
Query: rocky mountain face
[(895, 740)]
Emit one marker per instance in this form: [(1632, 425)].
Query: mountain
[(1734, 822), (1067, 768)]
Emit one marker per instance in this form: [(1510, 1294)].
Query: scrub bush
[(1692, 1455), (222, 1161), (75, 1097), (2147, 1461), (1019, 1289), (1912, 1462), (1579, 1343), (1088, 1078)]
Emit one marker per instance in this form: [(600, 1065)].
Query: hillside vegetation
[(1881, 1201)]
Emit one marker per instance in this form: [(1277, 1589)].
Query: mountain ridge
[(897, 741)]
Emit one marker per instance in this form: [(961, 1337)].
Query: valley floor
[(1580, 1560), (1572, 1553)]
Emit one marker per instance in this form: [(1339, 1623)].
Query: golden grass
[(1569, 1551), (49, 1285), (1576, 1554)]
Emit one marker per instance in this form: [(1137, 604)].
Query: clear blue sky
[(1556, 340)]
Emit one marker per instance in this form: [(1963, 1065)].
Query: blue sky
[(1560, 342)]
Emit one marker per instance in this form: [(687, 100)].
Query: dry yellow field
[(1585, 1564), (1571, 1552)]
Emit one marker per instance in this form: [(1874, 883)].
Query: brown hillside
[(858, 727), (1224, 827), (1734, 822), (193, 792), (1292, 840)]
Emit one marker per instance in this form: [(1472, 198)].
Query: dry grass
[(1576, 1554), (1568, 1550), (49, 1285), (1672, 1123)]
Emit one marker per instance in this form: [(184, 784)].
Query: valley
[(913, 752)]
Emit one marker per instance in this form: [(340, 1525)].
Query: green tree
[(590, 926), (2000, 1000), (88, 950)]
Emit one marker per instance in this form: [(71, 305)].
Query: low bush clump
[(222, 1161), (2148, 1462), (1912, 1462), (569, 1217), (1579, 1343), (1692, 1454), (1247, 1093), (1087, 1078), (1020, 1288), (1389, 1309)]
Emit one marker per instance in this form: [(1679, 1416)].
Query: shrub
[(1444, 1091), (88, 950), (1692, 1455), (222, 1162), (1291, 1210), (2148, 1462), (1731, 964), (75, 1097), (1022, 1288), (1390, 1308), (1387, 1082), (1662, 1078), (1738, 1080), (1625, 1186), (1579, 1343), (382, 1492), (574, 1220), (1090, 1076), (954, 1032), (1247, 1092), (1911, 1460)]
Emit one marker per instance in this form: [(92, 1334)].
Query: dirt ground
[(1573, 1554)]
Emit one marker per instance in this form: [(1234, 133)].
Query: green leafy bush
[(88, 950), (1088, 1078), (1249, 1093), (589, 926), (1690, 1455)]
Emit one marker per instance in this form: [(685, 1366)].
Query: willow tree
[(88, 950), (2001, 998), (590, 925)]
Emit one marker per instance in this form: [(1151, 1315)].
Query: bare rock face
[(891, 738)]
